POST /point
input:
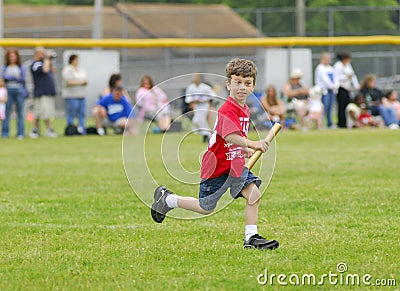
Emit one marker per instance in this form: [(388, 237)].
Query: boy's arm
[(239, 140)]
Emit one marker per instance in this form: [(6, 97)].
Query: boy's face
[(240, 88)]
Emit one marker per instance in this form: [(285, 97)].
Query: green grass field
[(70, 221)]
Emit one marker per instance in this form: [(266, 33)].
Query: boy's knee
[(206, 209), (254, 197)]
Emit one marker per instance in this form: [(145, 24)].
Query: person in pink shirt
[(153, 104), (391, 100)]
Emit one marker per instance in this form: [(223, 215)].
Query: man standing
[(198, 96), (44, 91)]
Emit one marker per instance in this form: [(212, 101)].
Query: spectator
[(353, 111), (114, 110), (315, 107), (357, 115), (391, 100), (273, 105), (365, 117), (348, 83), (3, 100), (326, 80), (296, 95), (13, 74), (44, 91), (116, 79), (153, 104), (373, 97), (199, 95), (74, 92)]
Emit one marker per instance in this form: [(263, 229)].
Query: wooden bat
[(257, 154)]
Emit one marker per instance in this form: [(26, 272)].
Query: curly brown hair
[(241, 67)]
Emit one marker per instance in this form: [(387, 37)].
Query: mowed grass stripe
[(70, 221)]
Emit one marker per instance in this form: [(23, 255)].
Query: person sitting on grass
[(273, 105), (357, 115), (223, 164), (373, 99), (391, 100), (296, 95), (113, 110), (153, 104)]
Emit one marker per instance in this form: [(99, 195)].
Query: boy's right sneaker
[(160, 207), (256, 241)]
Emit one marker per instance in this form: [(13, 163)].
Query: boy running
[(223, 164)]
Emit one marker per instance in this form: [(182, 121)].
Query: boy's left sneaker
[(160, 207), (256, 241)]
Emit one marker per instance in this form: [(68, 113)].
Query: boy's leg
[(165, 201), (252, 239), (210, 192), (192, 204), (252, 195)]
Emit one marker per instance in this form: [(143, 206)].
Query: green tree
[(352, 22)]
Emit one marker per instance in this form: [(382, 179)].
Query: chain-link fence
[(162, 63)]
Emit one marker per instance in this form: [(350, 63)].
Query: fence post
[(331, 25), (300, 18)]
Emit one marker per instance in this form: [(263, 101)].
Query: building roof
[(127, 21)]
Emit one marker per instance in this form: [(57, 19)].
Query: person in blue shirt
[(114, 110)]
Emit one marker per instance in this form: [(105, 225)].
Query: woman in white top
[(74, 92), (348, 82), (326, 80)]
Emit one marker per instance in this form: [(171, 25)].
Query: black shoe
[(256, 241), (160, 207)]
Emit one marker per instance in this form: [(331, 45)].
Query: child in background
[(223, 164), (365, 117), (316, 107), (3, 99)]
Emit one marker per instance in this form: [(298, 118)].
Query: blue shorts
[(211, 190)]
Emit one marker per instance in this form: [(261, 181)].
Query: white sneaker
[(393, 126), (100, 131), (50, 133), (80, 130), (34, 133)]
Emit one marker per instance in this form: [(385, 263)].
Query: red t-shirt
[(222, 157)]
